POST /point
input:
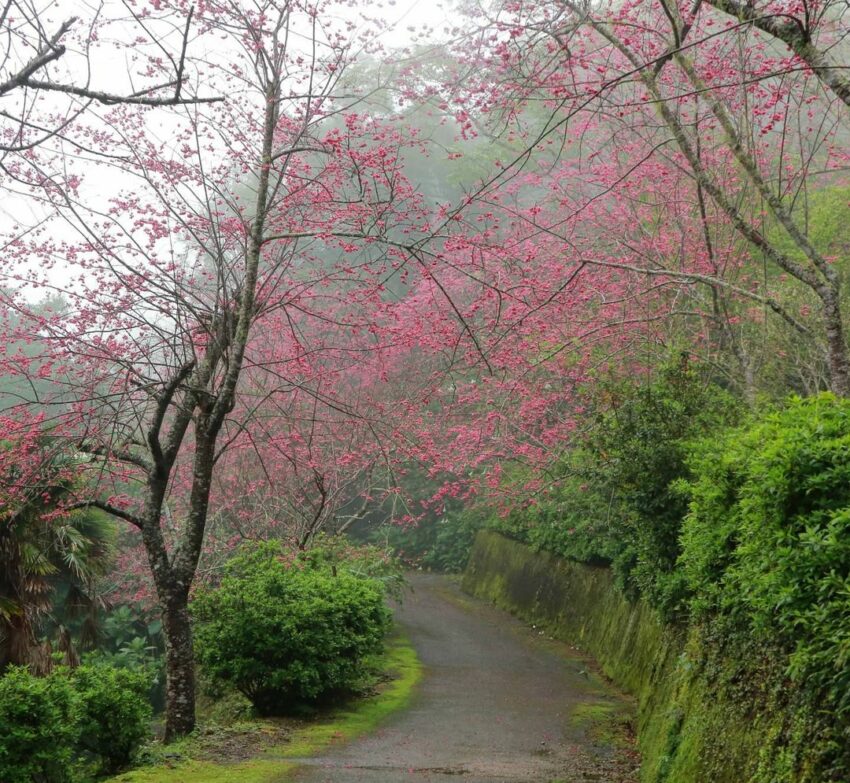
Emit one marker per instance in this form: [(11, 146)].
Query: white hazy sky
[(413, 13), (404, 18)]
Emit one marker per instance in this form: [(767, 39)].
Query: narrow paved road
[(499, 703)]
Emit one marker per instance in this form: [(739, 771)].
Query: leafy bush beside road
[(285, 632), (739, 531), (39, 729)]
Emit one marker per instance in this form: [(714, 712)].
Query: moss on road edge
[(277, 763)]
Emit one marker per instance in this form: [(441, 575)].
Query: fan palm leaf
[(42, 547)]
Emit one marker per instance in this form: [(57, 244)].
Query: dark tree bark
[(180, 668)]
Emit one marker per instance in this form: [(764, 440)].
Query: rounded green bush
[(39, 727), (115, 713), (286, 634)]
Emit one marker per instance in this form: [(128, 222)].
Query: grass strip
[(276, 763)]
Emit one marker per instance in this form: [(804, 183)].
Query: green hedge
[(738, 532), (115, 713), (39, 728), (283, 633), (612, 498), (70, 725), (766, 557)]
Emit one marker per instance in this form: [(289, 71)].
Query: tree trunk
[(179, 667), (16, 641), (836, 344)]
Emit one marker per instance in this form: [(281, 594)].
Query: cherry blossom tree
[(238, 257), (614, 108)]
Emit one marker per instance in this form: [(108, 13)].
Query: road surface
[(499, 703)]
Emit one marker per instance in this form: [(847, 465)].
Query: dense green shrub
[(287, 632), (453, 540), (39, 727), (437, 543), (640, 447), (766, 550), (62, 727), (434, 543), (131, 638), (574, 520), (115, 713)]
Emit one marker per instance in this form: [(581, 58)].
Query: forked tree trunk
[(199, 399), (174, 573), (173, 599)]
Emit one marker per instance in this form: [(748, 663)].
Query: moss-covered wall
[(692, 727)]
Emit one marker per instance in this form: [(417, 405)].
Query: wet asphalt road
[(496, 705)]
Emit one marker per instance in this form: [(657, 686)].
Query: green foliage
[(284, 633), (115, 713), (824, 212), (65, 726), (436, 543), (409, 542), (365, 561), (760, 564), (49, 559), (38, 727), (272, 751), (126, 627), (454, 535), (787, 360), (415, 542), (766, 551), (641, 446), (575, 519), (131, 640), (613, 499)]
